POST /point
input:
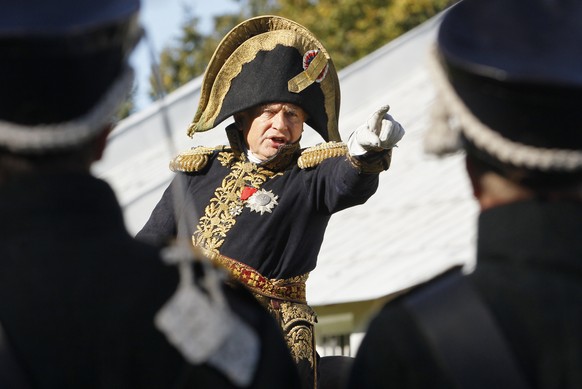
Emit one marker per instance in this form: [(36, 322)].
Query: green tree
[(352, 29), (349, 29), (183, 60)]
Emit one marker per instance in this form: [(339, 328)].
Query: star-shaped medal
[(262, 201)]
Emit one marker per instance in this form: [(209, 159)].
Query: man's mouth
[(278, 141)]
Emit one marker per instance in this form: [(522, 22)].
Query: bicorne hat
[(509, 84), (64, 69), (270, 59)]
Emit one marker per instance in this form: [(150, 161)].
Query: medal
[(262, 201)]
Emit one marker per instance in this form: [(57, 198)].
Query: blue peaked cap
[(56, 17), (530, 41), (60, 57)]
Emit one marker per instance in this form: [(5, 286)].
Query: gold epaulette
[(315, 155), (193, 160)]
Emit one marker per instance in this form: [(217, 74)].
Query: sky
[(162, 20)]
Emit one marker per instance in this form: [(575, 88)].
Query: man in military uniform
[(509, 86), (262, 203), (82, 304)]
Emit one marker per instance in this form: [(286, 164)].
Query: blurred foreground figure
[(509, 88), (82, 304)]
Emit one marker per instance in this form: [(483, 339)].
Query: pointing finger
[(376, 119)]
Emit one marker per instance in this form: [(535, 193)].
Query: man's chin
[(267, 154), (270, 152)]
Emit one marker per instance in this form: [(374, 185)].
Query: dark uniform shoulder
[(313, 156), (195, 159)]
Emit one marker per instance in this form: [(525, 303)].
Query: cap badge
[(315, 67), (308, 58)]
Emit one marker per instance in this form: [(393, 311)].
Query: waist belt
[(290, 289)]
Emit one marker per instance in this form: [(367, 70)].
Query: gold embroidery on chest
[(221, 212), (226, 158)]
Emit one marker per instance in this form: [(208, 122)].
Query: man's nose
[(280, 121)]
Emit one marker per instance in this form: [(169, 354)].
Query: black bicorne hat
[(510, 74), (64, 69), (270, 59)]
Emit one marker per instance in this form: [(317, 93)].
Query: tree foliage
[(349, 29), (180, 62)]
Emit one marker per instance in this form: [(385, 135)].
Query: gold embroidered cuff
[(372, 164)]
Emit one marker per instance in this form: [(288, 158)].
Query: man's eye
[(295, 117)]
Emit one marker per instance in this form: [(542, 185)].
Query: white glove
[(380, 132)]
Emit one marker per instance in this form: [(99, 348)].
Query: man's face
[(267, 127)]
